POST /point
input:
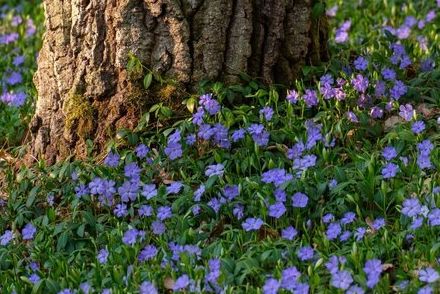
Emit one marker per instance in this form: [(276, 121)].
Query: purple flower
[(174, 187), (411, 207), (129, 190), (389, 153), (267, 112), (211, 105), (197, 117), (130, 236), (310, 98), (112, 160), (149, 252), (277, 176), (191, 139), (305, 253), (252, 224), (231, 191), (149, 191), (289, 233), (85, 288), (237, 135), (199, 193), (373, 269), (398, 90), (360, 83), (333, 231), (326, 79), (289, 278), (378, 223), (34, 278), (331, 12), (348, 218), (299, 200), (147, 288), (376, 112), (181, 283), (66, 291), (425, 290), (428, 275), (103, 256), (271, 286), (427, 64), (6, 237), (296, 151), (214, 270), (214, 170), (379, 89), (164, 212), (28, 231), (341, 35), (158, 227), (355, 290), (145, 210), (332, 183), (360, 233), (14, 78), (173, 150), (425, 147), (430, 16), (406, 112), (142, 151), (215, 204), (18, 60), (389, 74), (238, 211), (341, 280), (434, 217), (13, 99), (361, 63), (345, 236), (352, 117), (390, 170), (418, 127), (259, 134), (327, 91), (292, 96), (327, 218), (416, 223), (132, 170), (120, 210), (277, 210)]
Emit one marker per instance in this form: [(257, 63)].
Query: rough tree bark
[(84, 90)]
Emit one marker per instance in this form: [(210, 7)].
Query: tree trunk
[(85, 91)]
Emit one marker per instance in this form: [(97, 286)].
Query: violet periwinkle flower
[(361, 63), (28, 231), (292, 96), (373, 269), (147, 288), (352, 117), (398, 90), (6, 237), (267, 112), (389, 153), (142, 151), (341, 280), (112, 160), (214, 170), (277, 210), (342, 32), (299, 200), (310, 98), (411, 207), (210, 104), (305, 253), (289, 233), (418, 127), (388, 74), (406, 112), (259, 134), (252, 224), (376, 112), (271, 286), (360, 83), (103, 256), (428, 275)]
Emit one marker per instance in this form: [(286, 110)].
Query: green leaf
[(31, 198), (147, 80)]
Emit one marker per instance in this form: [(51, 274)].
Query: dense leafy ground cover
[(332, 188)]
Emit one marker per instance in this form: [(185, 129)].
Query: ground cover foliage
[(329, 186)]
